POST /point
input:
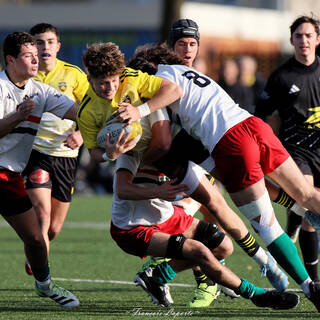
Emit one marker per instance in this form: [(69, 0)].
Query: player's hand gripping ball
[(134, 130)]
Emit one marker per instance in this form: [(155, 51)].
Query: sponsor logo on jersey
[(314, 120), (294, 89), (62, 86), (30, 97)]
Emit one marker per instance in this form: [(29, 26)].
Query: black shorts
[(55, 173), (183, 148), (307, 160)]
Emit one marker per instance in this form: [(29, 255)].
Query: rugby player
[(51, 170), (23, 101)]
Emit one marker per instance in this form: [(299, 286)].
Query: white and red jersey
[(16, 146), (127, 214), (205, 110)]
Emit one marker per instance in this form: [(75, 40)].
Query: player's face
[(305, 39), (187, 50), (48, 47), (105, 87), (25, 65)]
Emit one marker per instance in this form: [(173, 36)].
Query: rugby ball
[(134, 129)]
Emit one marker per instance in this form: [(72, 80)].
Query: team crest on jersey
[(62, 86)]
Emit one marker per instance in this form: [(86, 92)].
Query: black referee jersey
[(294, 90)]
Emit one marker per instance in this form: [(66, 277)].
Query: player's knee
[(224, 250), (306, 196), (200, 253), (53, 232), (209, 234), (175, 246)]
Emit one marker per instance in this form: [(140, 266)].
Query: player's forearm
[(9, 123), (167, 94), (71, 114), (97, 154), (128, 191), (160, 142)]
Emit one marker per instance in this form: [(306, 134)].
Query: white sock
[(305, 287), (297, 209), (260, 257), (43, 285)]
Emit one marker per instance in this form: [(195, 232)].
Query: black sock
[(293, 222), (249, 244), (41, 274), (284, 199), (200, 277), (309, 248)]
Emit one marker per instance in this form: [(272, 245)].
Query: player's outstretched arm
[(126, 190), (168, 93)]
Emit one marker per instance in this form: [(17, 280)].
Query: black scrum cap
[(184, 28)]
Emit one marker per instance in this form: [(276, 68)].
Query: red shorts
[(247, 152), (136, 241), (13, 195)]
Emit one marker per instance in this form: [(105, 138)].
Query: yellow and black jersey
[(71, 81), (135, 87)]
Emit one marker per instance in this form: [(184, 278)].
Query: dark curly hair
[(103, 59), (146, 58), (14, 41)]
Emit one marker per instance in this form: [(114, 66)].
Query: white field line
[(116, 282), (132, 283)]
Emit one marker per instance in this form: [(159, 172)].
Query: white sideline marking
[(117, 282), (132, 283)]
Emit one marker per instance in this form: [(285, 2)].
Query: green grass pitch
[(85, 260)]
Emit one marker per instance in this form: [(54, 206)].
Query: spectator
[(229, 81), (251, 79)]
